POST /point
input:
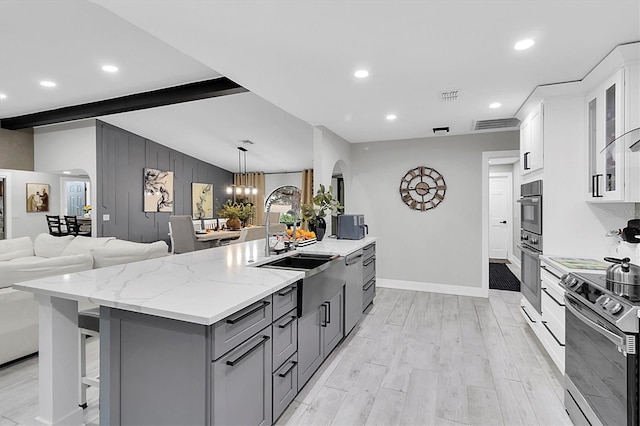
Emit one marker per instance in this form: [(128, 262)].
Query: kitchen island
[(192, 291)]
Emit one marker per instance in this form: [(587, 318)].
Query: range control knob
[(524, 237), (534, 241), (605, 301), (573, 282), (615, 309)]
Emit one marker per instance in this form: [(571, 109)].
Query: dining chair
[(73, 227), (250, 234), (55, 226), (173, 244), (184, 236)]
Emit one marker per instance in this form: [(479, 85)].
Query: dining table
[(217, 236)]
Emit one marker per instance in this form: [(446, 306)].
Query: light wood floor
[(415, 359)]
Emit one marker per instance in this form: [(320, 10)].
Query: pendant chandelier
[(242, 187)]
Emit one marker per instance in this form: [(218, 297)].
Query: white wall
[(275, 180), (329, 149), (19, 222), (441, 246), (68, 146)]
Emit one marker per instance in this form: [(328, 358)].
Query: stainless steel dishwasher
[(353, 291)]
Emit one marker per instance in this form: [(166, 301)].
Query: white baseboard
[(514, 260), (457, 290)]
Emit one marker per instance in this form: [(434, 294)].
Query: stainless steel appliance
[(353, 290), (531, 207), (352, 227), (531, 242), (601, 373)]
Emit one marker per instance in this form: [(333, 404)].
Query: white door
[(500, 214)]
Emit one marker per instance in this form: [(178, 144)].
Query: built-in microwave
[(531, 207)]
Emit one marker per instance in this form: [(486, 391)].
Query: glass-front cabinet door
[(604, 124)]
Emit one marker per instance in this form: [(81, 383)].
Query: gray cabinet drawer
[(285, 338), (368, 292), (285, 385), (369, 268), (285, 300), (236, 328), (369, 251), (241, 384)]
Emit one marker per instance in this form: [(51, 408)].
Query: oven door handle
[(613, 338), (528, 250)]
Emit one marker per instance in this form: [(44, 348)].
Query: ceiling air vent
[(499, 123), (450, 95)]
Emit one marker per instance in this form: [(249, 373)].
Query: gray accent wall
[(121, 158)]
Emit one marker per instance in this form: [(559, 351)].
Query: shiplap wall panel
[(122, 158)]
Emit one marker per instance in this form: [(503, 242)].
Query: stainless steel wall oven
[(531, 242)]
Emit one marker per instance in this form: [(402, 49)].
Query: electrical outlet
[(105, 218)]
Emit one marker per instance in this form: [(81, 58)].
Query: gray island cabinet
[(198, 338)]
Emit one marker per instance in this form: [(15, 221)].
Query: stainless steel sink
[(310, 263), (324, 275)]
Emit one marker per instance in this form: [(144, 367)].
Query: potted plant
[(236, 213), (314, 214)]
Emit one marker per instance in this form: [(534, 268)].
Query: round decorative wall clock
[(422, 188)]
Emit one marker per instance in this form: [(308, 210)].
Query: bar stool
[(89, 325)]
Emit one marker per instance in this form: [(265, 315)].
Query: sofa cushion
[(117, 252), (46, 245), (15, 248), (83, 245), (31, 268)]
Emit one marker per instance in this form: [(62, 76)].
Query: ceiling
[(298, 58)]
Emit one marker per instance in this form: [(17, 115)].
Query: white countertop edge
[(245, 253), (548, 258)]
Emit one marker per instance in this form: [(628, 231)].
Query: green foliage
[(324, 204), (231, 209)]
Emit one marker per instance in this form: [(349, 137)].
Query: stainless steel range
[(601, 373)]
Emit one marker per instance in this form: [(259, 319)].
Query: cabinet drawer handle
[(593, 186), (287, 291), (246, 354), (550, 271), (328, 312), (259, 306), (551, 332), (526, 160), (370, 283), (527, 314), (324, 306), (289, 370), (369, 261), (552, 298), (289, 321)]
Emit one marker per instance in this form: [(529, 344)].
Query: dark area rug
[(501, 278)]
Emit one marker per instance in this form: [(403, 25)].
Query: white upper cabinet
[(532, 141), (605, 123)]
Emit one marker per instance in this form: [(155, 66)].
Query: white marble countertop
[(202, 287)]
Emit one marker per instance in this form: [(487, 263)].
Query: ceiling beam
[(171, 95)]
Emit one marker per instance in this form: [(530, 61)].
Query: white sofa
[(22, 260)]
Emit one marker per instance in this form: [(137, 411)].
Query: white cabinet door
[(605, 121), (532, 141)]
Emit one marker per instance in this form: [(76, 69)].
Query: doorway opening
[(500, 217)]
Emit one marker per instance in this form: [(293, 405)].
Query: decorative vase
[(234, 223), (319, 226)]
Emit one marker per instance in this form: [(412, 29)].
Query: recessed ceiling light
[(391, 117), (361, 73), (47, 83), (495, 105), (3, 96), (110, 68), (524, 44), (66, 172)]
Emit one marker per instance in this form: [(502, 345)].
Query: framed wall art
[(158, 191), (202, 200), (37, 197)]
